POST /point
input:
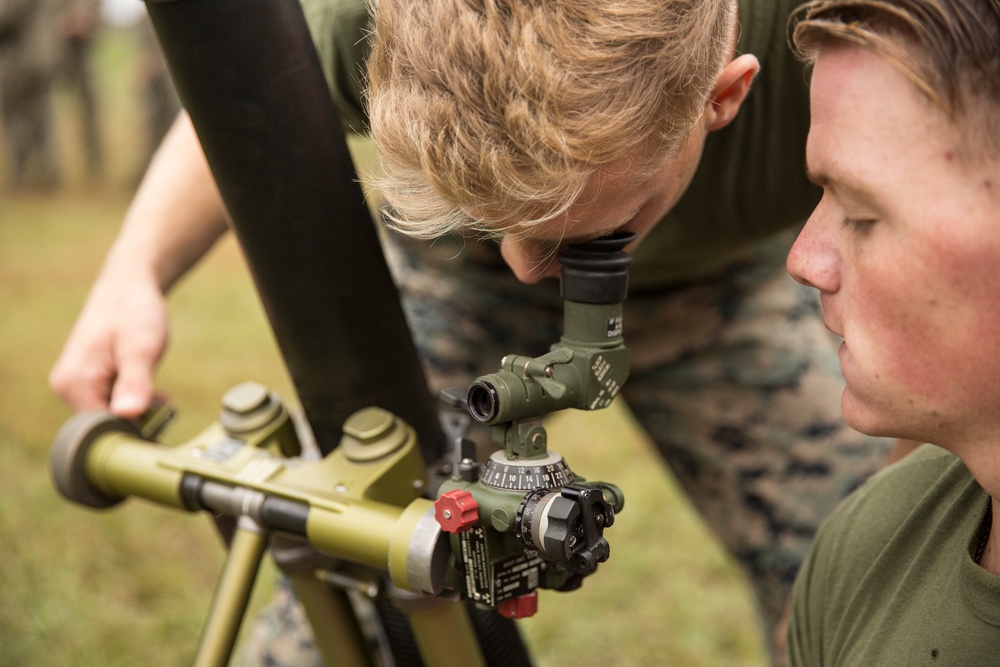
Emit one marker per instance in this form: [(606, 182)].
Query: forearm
[(175, 217)]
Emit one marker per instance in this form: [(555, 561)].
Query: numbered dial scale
[(548, 472)]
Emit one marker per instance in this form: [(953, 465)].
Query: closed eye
[(859, 225)]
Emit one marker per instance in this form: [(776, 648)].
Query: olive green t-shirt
[(751, 181), (891, 578)]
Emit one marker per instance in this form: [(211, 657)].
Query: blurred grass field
[(130, 586)]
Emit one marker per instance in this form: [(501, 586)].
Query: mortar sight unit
[(494, 532)]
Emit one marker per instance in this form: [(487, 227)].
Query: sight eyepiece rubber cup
[(597, 271)]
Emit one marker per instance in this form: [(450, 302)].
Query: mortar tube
[(248, 76)]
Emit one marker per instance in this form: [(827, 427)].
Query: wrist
[(123, 267)]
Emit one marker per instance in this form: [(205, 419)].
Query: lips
[(828, 316)]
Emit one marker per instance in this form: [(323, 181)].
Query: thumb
[(133, 390), (131, 396)]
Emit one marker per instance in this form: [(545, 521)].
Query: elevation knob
[(456, 511)]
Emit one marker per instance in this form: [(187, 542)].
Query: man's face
[(614, 199), (905, 249)]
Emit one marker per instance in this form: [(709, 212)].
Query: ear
[(731, 88)]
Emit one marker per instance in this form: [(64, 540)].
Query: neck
[(991, 555)]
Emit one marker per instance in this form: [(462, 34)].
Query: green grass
[(131, 586)]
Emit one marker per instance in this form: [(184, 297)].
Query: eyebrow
[(843, 182), (611, 229), (593, 236), (845, 187), (583, 238)]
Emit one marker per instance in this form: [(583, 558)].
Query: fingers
[(133, 388), (83, 385), (110, 357), (93, 382)]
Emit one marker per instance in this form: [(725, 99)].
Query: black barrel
[(248, 75)]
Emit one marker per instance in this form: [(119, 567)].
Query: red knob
[(456, 511), (520, 607)]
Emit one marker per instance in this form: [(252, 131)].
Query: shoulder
[(855, 559), (332, 11), (340, 31), (337, 24), (915, 475), (763, 26), (911, 488)]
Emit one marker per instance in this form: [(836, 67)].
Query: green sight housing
[(523, 520), (589, 364)]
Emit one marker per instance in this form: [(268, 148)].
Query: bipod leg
[(232, 594), (443, 632), (338, 636)]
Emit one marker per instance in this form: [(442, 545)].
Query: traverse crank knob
[(456, 511)]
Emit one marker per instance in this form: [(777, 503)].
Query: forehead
[(609, 200), (865, 113), (880, 148)]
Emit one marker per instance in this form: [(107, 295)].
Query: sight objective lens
[(484, 404)]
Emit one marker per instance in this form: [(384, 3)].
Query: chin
[(862, 418)]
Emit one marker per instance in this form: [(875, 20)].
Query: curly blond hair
[(490, 115)]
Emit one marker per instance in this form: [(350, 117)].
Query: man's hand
[(110, 356), (176, 216)]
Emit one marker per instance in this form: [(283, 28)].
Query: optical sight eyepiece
[(597, 271)]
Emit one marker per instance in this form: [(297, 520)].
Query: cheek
[(529, 260), (927, 326), (890, 324)]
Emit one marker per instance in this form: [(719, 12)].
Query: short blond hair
[(490, 115), (949, 49)]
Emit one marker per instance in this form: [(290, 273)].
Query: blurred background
[(84, 98)]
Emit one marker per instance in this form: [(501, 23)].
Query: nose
[(813, 259), (530, 261)]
